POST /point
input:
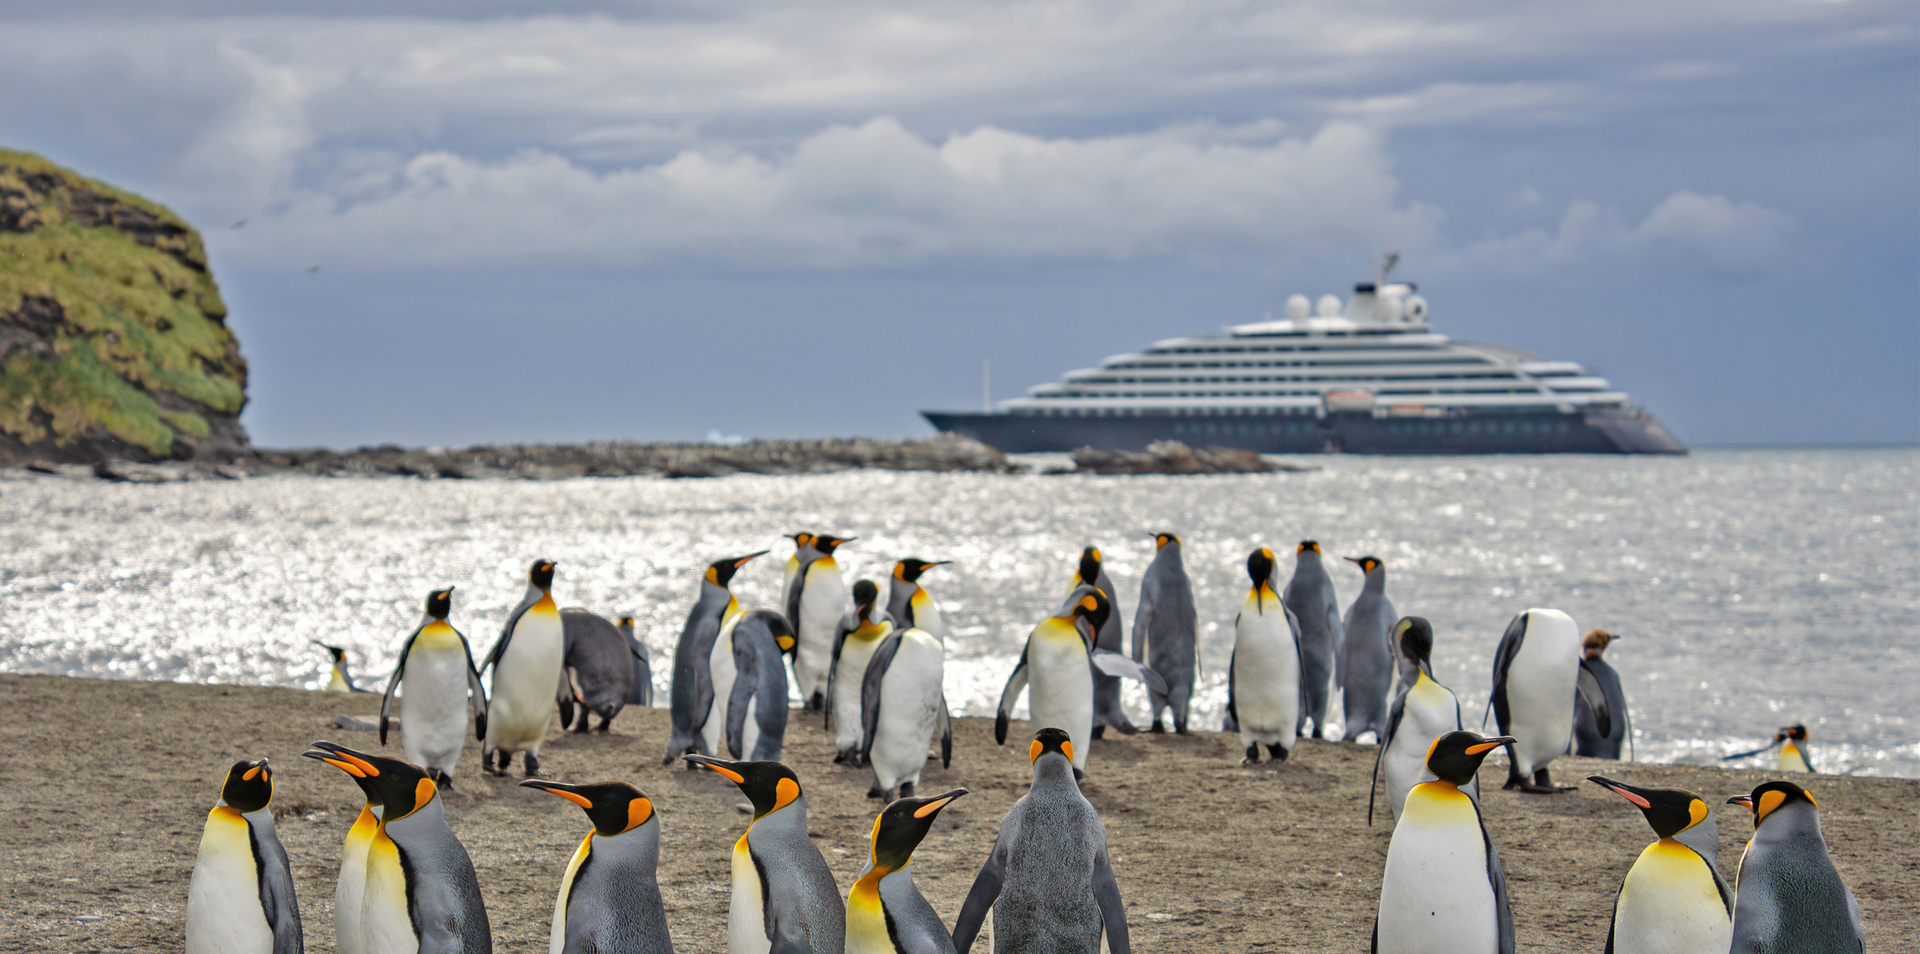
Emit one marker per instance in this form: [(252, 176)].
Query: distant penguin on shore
[(817, 600), (240, 896), (908, 603), (1166, 632), (1091, 571), (526, 663), (790, 577), (444, 695), (1536, 671), (1310, 598), (1792, 741), (1587, 738), (1367, 667), (642, 694), (339, 679), (691, 695), (599, 668), (1263, 676), (854, 642), (749, 671), (1423, 711)]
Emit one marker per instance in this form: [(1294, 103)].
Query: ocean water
[(1755, 588)]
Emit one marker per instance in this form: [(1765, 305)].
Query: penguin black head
[(625, 622), (1260, 566), (1595, 642), (1669, 810), (801, 539), (1796, 732), (1365, 563), (339, 655), (361, 772), (1094, 607), (1090, 565), (1456, 756), (770, 786), (901, 825), (1050, 739), (614, 807), (1415, 635), (1162, 539), (910, 568), (440, 602), (1769, 796), (826, 543), (864, 596), (249, 786), (541, 575), (402, 786), (1306, 545), (720, 572)]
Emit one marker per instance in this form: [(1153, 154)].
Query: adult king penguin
[(1106, 689), (691, 696), (599, 669), (854, 640), (1792, 741), (240, 899), (749, 712), (1443, 891), (784, 897), (421, 894), (902, 705), (1047, 878), (1263, 677), (443, 693), (339, 679), (350, 889), (1788, 896), (1165, 629), (790, 577), (1673, 900), (526, 668), (819, 596), (642, 694), (1310, 598), (610, 894), (1056, 663), (909, 604), (1366, 671), (1423, 711), (1588, 741), (1536, 671), (885, 912)]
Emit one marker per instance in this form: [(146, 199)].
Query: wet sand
[(106, 786)]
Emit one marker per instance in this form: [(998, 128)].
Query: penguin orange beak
[(1491, 744), (557, 788), (721, 768), (1621, 789), (737, 564), (1744, 801)]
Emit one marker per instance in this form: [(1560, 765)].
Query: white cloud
[(1709, 230)]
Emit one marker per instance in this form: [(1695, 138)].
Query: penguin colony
[(405, 882)]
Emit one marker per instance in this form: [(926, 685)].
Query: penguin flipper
[(1588, 685), (870, 692), (393, 684), (1114, 664), (476, 693), (946, 733), (980, 898), (1232, 721), (1016, 684), (1502, 910), (276, 886), (506, 635), (1143, 621), (1503, 660), (1761, 750), (1113, 912), (702, 680), (746, 681), (1394, 716)]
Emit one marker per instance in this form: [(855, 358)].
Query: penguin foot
[(1099, 731), (875, 792), (1079, 776), (1126, 728), (906, 789), (1157, 728), (1279, 752), (840, 758), (532, 765), (1253, 755)]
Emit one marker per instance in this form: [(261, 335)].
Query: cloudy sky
[(654, 219)]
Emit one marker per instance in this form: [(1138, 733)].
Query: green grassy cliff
[(113, 338)]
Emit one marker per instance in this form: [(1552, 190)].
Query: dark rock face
[(1173, 457), (113, 337)]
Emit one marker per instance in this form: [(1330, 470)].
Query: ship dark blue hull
[(1595, 431)]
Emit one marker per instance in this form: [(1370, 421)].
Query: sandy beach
[(106, 785)]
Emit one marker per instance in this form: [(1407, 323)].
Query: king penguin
[(784, 896), (1792, 741), (790, 577), (1587, 738), (1056, 662), (642, 694), (610, 893), (1106, 689), (1047, 878), (1423, 711), (350, 889), (1674, 900), (691, 696), (1366, 677), (1443, 891), (240, 899), (1536, 671), (444, 695), (854, 640), (908, 603), (820, 597), (885, 912), (1310, 598), (526, 668), (339, 679), (421, 893), (1263, 677), (1787, 895), (599, 669), (1165, 631), (749, 713), (902, 707)]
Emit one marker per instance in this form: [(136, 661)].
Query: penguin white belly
[(721, 673), (557, 937), (746, 916), (224, 915), (1060, 689), (822, 600), (349, 892), (524, 680), (433, 710), (909, 710), (1430, 713), (1436, 897), (385, 924), (1266, 675), (1540, 688), (1791, 760), (849, 676), (1669, 905)]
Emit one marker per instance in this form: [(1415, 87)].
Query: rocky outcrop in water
[(1173, 457)]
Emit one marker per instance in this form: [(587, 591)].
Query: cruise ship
[(1364, 376)]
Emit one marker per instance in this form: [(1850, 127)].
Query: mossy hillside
[(111, 328)]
